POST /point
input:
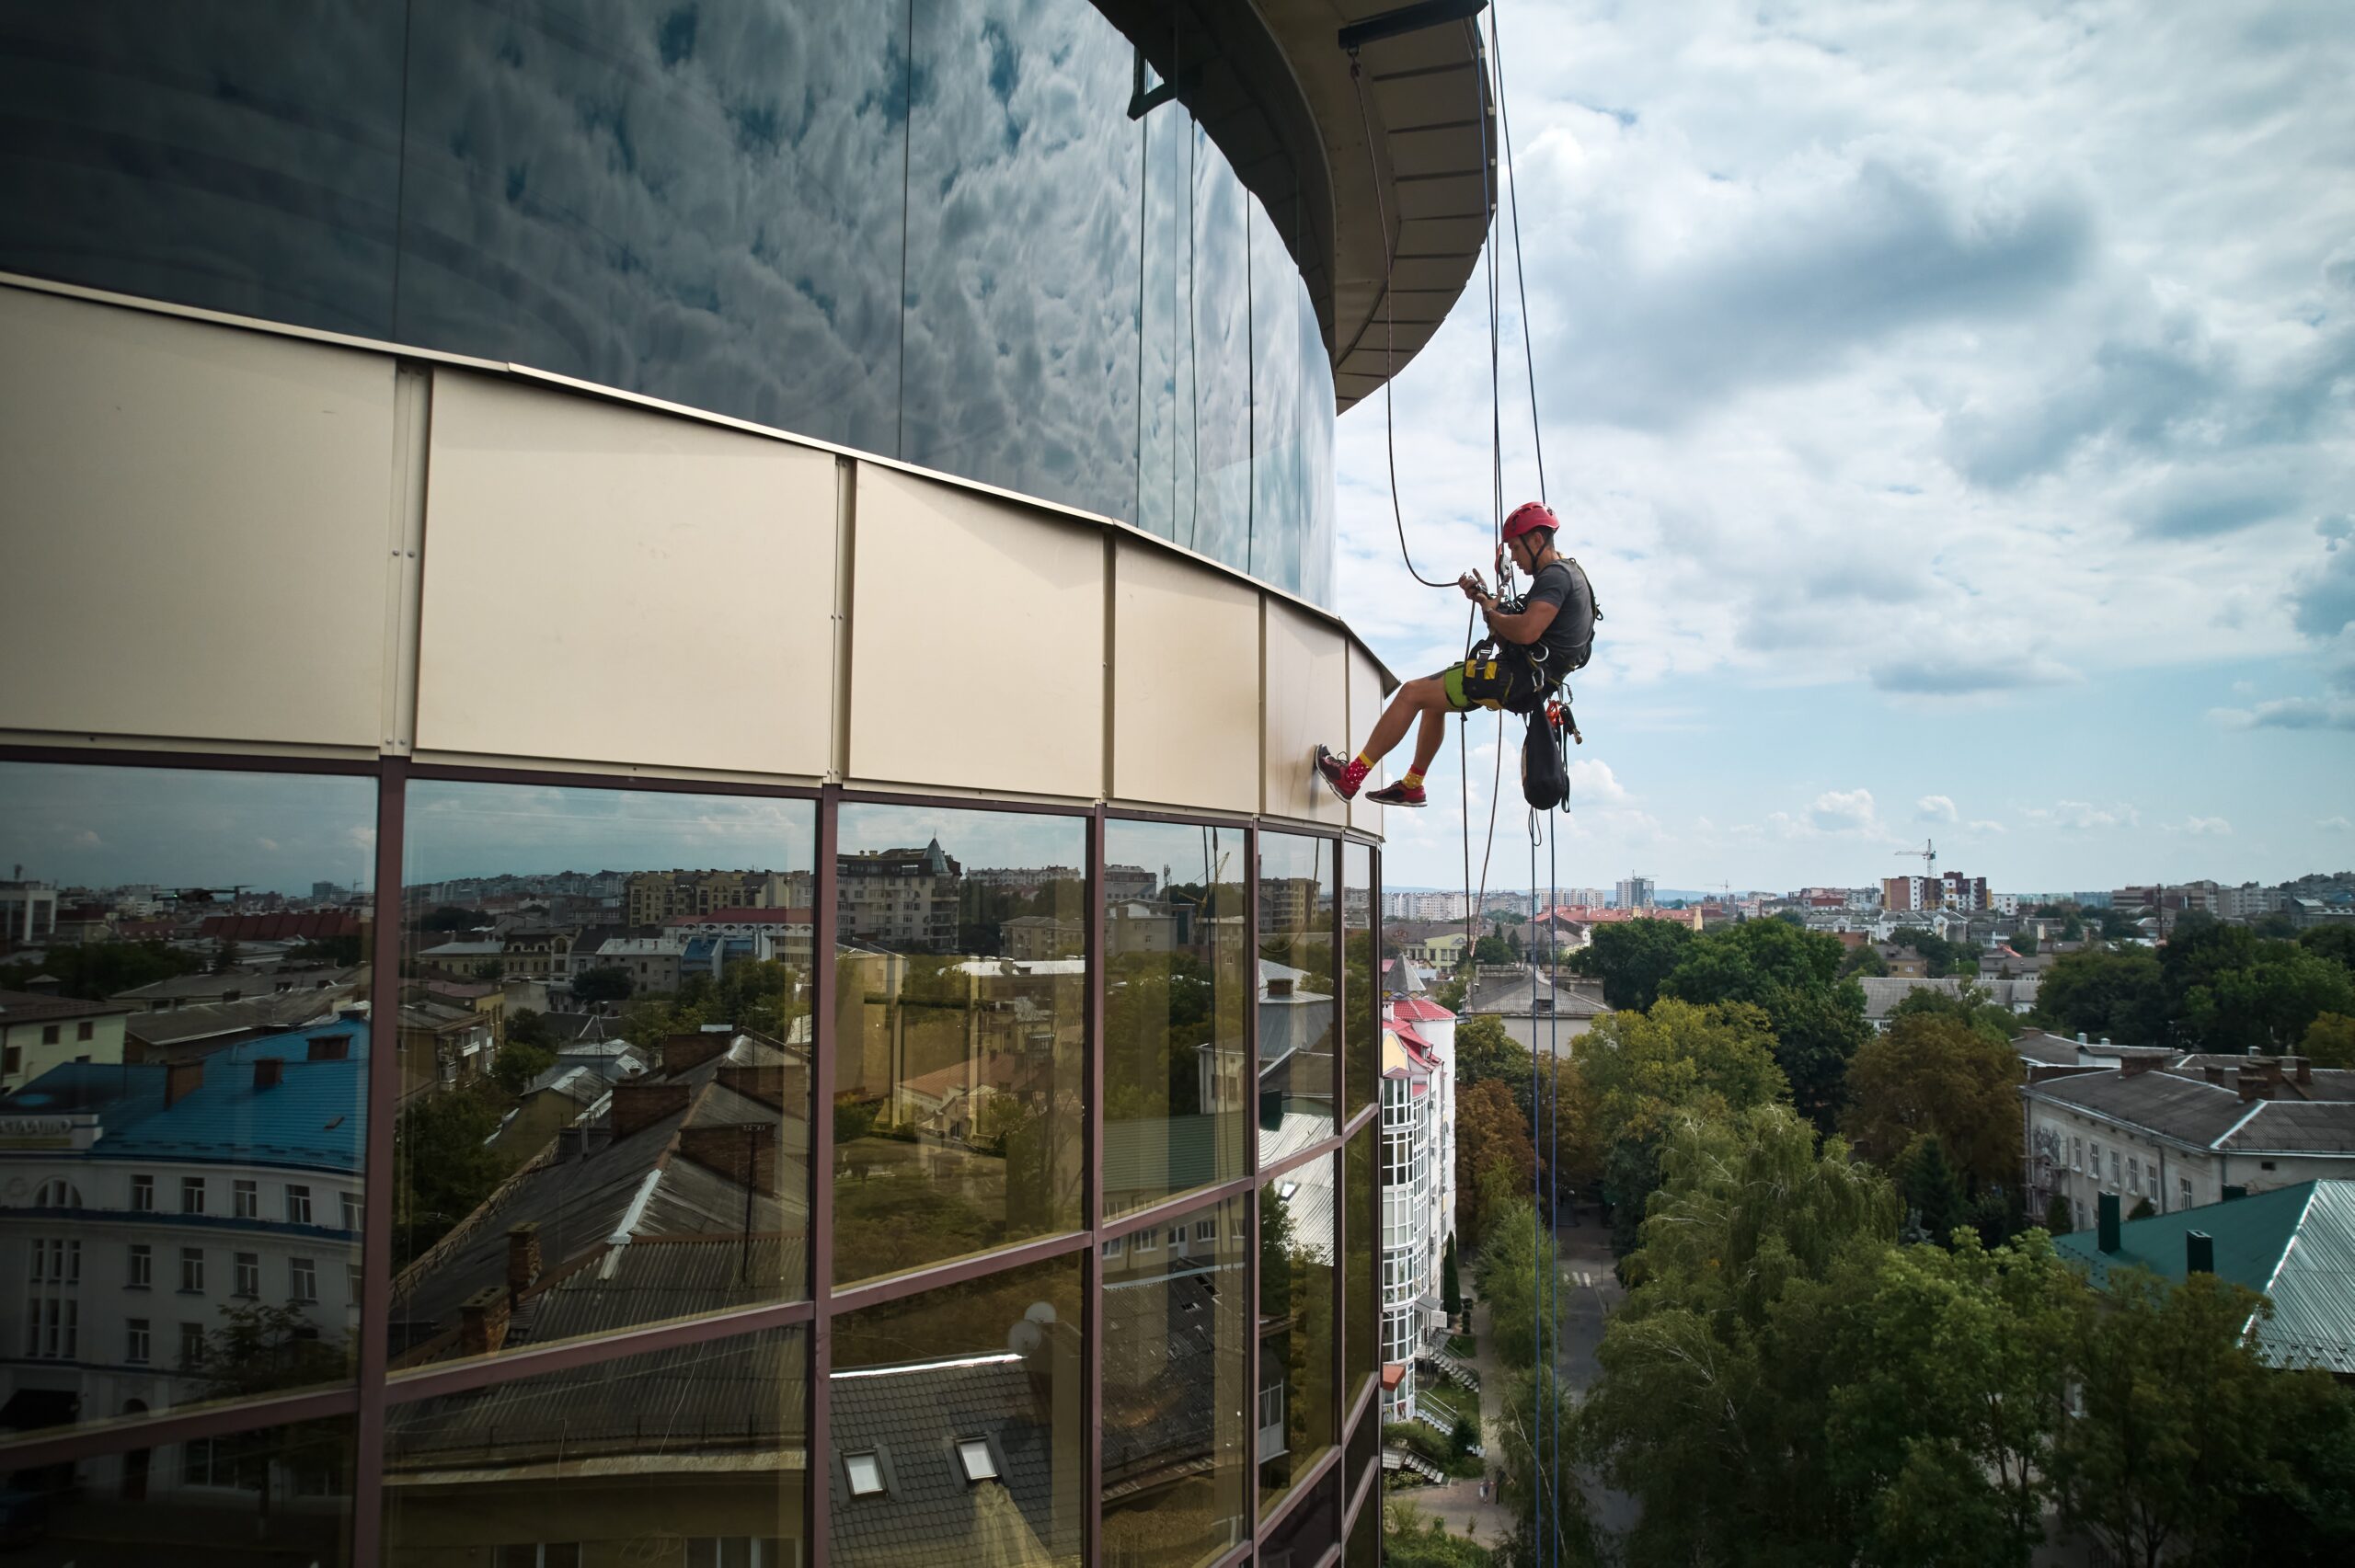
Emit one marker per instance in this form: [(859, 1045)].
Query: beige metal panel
[(606, 583), (196, 529), (1366, 703), (1307, 700), (1185, 684), (977, 641)]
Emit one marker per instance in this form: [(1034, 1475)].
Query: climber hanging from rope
[(1534, 643)]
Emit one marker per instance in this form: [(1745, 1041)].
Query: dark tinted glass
[(1177, 1492), (280, 1495), (701, 202), (956, 1423), (184, 1044), (242, 157), (1365, 1536), (1360, 983), (606, 1053), (1297, 1014), (1296, 1328), (1359, 1469), (1308, 1532), (1025, 185), (960, 963), (1176, 1101), (690, 1457), (1361, 1347)]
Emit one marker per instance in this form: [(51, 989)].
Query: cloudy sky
[(1953, 409)]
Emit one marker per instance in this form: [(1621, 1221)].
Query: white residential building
[(1418, 1189)]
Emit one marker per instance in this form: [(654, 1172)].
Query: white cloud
[(2290, 713), (1936, 808), (2336, 825), (2202, 826), (2082, 816), (1593, 780), (1982, 825)]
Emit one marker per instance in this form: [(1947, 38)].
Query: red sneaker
[(1341, 778), (1398, 795)]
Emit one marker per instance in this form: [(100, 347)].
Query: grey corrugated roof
[(2184, 1106)]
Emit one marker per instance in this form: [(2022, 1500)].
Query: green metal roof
[(2295, 1244)]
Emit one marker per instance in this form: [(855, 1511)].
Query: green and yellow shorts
[(1501, 682)]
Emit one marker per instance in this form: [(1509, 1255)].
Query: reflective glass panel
[(1365, 1536), (278, 1494), (1361, 982), (1297, 1015), (1279, 477), (700, 202), (997, 1361), (238, 158), (605, 1041), (1365, 1442), (692, 1456), (1176, 1486), (1314, 543), (1176, 1096), (1296, 1415), (961, 976), (1360, 1284), (1024, 189), (1308, 1532), (184, 1004), (1220, 523), (1166, 376)]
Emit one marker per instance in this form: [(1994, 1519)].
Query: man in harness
[(1533, 643)]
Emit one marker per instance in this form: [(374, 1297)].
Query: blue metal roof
[(313, 1118)]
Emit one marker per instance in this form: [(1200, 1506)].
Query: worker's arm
[(1526, 627)]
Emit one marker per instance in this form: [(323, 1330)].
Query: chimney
[(682, 1053), (2214, 1072), (2199, 1252), (636, 1106), (2129, 1066), (482, 1322), (182, 1079), (744, 1153), (770, 1083), (2252, 1083), (2080, 1037), (2301, 1069), (2106, 1229), (523, 1257), (330, 1047), (267, 1071)]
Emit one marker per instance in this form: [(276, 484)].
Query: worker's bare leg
[(1425, 698)]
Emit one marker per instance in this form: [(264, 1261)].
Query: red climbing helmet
[(1529, 515)]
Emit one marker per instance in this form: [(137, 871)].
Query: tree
[(1818, 1019), (2268, 1003), (1932, 1191), (607, 982), (1712, 1408), (2100, 991), (1968, 1005), (1493, 950), (2023, 942), (1955, 1389), (260, 1350), (1942, 958), (2058, 1220), (1490, 1134), (1934, 1076), (447, 917), (226, 957), (1535, 1400), (442, 1148), (2184, 1433), (527, 1026), (2073, 927), (517, 1064), (93, 971), (2330, 1040), (1484, 1051), (2336, 942), (2144, 1210), (1450, 1281), (1863, 959), (1631, 958)]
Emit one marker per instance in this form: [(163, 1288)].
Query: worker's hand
[(1473, 586)]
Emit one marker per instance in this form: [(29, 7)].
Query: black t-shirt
[(1570, 634)]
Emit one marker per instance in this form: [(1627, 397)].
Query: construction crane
[(1929, 856)]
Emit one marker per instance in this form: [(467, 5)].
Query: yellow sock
[(1365, 762), (1413, 781)]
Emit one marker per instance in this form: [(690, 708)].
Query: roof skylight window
[(974, 1453), (865, 1472)]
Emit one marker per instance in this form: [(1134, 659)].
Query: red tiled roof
[(1420, 1010)]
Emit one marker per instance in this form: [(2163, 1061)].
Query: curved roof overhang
[(1271, 85)]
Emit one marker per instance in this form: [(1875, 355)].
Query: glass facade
[(1051, 1326), (1298, 1017), (923, 228)]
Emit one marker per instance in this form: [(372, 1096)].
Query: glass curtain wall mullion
[(825, 978), (106, 1440), (1092, 1271), (461, 1376), (376, 1191)]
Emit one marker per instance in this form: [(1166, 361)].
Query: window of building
[(2113, 1168), (48, 1035), (298, 1206), (974, 1458), (302, 1280), (1004, 936), (143, 1195), (191, 1195), (141, 1271), (193, 1269), (134, 1341), (1297, 1015), (1176, 1097), (2076, 1154), (2183, 1193), (2133, 1175), (741, 1552), (191, 1344), (245, 1199), (84, 1030), (248, 1275), (351, 1282), (12, 1060), (352, 1218), (1360, 1307), (863, 1473), (57, 1193), (1296, 1282), (1361, 988)]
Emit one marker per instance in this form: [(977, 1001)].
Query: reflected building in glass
[(682, 919)]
